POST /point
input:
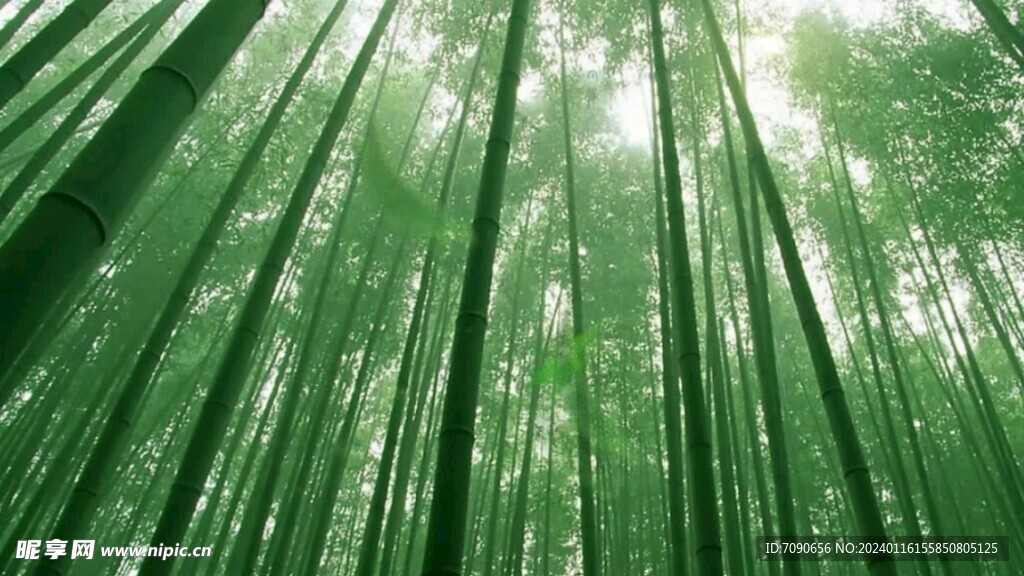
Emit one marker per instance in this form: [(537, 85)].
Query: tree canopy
[(387, 287)]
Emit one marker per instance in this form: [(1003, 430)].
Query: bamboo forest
[(512, 287)]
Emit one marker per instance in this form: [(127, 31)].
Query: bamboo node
[(177, 72)]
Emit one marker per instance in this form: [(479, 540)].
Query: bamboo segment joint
[(13, 73), (459, 431), (177, 72), (74, 199)]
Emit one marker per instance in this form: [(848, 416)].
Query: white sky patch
[(915, 310), (866, 13), (546, 26), (911, 305), (954, 13), (7, 12), (860, 171), (769, 99), (631, 111), (530, 86), (859, 13), (555, 306), (812, 250), (442, 103), (420, 47), (275, 9), (592, 58)]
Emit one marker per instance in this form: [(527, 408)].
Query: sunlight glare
[(631, 108)]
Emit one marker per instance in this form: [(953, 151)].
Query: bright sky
[(773, 109), (768, 98)]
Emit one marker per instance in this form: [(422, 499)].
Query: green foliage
[(904, 120)]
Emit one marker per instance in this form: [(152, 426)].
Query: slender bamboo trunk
[(707, 547), (342, 445), (545, 554), (18, 20), (85, 209), (247, 543), (376, 511), (31, 115), (993, 316), (510, 496), (755, 274), (876, 428), (661, 474), (411, 432), (98, 473), (423, 470), (771, 393), (745, 521), (405, 453), (205, 525), (477, 517), (285, 526), (898, 470), (931, 506), (588, 519), (250, 463), (978, 386), (1009, 37), (209, 430), (517, 526), (858, 478), (514, 563), (24, 64), (750, 282), (15, 191), (733, 542), (671, 402), (447, 526), (1009, 281)]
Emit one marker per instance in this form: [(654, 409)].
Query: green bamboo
[(84, 210), (931, 506), (31, 115), (209, 430), (993, 317), (447, 525), (897, 467), (856, 474), (753, 433), (18, 20), (411, 432), (545, 555), (15, 191), (542, 342), (24, 64), (423, 470), (405, 453), (733, 543), (707, 547), (375, 513), (671, 402), (767, 370), (747, 543), (1009, 37), (342, 446), (491, 517), (660, 473), (588, 521), (82, 506)]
